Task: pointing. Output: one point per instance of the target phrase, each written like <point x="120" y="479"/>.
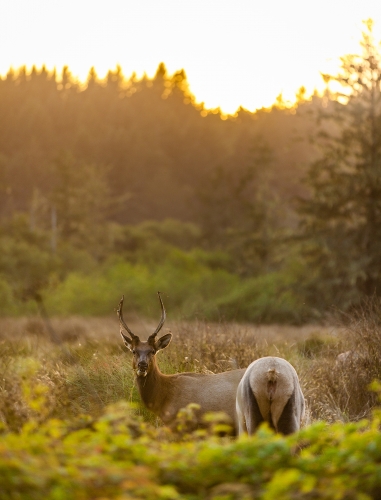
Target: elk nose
<point x="142" y="365"/>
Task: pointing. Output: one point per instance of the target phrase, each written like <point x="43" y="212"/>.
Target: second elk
<point x="270" y="392"/>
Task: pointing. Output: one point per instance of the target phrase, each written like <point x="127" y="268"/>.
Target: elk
<point x="347" y="357"/>
<point x="270" y="392"/>
<point x="165" y="394"/>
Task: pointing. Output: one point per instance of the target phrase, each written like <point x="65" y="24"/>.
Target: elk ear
<point x="163" y="342"/>
<point x="127" y="341"/>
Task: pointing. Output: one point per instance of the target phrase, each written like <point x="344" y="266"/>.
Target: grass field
<point x="89" y="368"/>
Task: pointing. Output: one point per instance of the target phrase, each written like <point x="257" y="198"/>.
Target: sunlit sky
<point x="234" y="52"/>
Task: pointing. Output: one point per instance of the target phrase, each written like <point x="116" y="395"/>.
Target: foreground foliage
<point x="116" y="456"/>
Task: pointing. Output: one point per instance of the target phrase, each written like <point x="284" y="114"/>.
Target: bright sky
<point x="234" y="52"/>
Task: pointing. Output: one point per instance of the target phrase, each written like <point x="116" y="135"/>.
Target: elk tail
<point x="272" y="375"/>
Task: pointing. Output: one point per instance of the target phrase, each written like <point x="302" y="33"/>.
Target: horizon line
<point x="134" y="77"/>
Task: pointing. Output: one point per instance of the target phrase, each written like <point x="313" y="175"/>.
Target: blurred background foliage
<point x="128" y="185"/>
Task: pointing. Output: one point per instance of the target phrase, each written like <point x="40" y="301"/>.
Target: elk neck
<point x="154" y="388"/>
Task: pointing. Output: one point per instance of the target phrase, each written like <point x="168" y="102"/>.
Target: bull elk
<point x="165" y="394"/>
<point x="270" y="392"/>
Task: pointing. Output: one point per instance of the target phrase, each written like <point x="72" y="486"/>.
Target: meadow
<point x="72" y="425"/>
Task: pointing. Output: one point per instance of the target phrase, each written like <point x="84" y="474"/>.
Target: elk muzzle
<point x="142" y="369"/>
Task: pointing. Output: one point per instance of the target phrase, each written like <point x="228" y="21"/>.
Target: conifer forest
<point x="129" y="184"/>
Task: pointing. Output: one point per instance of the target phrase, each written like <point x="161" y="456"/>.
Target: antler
<point x="123" y="324"/>
<point x="162" y="320"/>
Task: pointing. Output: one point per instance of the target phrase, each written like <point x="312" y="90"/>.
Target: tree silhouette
<point x="81" y="201"/>
<point x="342" y="219"/>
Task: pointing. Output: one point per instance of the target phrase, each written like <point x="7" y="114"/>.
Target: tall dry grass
<point x="339" y="386"/>
<point x="90" y="369"/>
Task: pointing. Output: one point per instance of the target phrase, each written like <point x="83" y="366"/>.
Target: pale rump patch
<point x="270" y="391"/>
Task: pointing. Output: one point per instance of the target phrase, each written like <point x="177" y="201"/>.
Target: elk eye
<point x="133" y="351"/>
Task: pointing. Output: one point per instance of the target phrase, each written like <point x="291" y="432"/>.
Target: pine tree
<point x="81" y="201"/>
<point x="341" y="220"/>
<point x="237" y="211"/>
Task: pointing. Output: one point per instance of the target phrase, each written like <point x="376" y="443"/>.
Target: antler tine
<point x="162" y="319"/>
<point x="123" y="324"/>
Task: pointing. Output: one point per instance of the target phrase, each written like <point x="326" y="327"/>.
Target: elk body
<point x="270" y="392"/>
<point x="165" y="394"/>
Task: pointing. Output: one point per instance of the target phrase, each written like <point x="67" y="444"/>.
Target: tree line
<point x="291" y="193"/>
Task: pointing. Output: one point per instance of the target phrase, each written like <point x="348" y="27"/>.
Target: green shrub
<point x="267" y="298"/>
<point x="188" y="283"/>
<point x="116" y="456"/>
<point x="7" y="300"/>
<point x="139" y="238"/>
<point x="137" y="261"/>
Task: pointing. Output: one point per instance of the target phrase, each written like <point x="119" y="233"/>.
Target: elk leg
<point x="253" y="416"/>
<point x="288" y="423"/>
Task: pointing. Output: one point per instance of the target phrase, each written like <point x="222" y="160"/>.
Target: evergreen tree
<point x="237" y="211"/>
<point x="342" y="218"/>
<point x="81" y="202"/>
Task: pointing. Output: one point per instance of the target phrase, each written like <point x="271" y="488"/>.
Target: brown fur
<point x="164" y="394"/>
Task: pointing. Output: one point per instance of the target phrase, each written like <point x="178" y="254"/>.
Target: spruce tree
<point x="341" y="220"/>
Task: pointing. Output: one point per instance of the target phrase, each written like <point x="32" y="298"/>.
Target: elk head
<point x="144" y="351"/>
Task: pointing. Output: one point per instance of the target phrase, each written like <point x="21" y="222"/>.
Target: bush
<point x="130" y="240"/>
<point x="196" y="283"/>
<point x="265" y="299"/>
<point x="189" y="284"/>
<point x="7" y="299"/>
<point x="116" y="456"/>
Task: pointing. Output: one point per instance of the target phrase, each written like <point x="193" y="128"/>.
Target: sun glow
<point x="235" y="54"/>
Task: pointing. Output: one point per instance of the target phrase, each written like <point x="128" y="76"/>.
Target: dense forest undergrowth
<point x="140" y="260"/>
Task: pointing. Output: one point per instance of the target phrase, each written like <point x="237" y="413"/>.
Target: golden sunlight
<point x="234" y="53"/>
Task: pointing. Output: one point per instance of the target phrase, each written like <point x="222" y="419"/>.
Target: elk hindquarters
<point x="288" y="422"/>
<point x="252" y="413"/>
<point x="271" y="389"/>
